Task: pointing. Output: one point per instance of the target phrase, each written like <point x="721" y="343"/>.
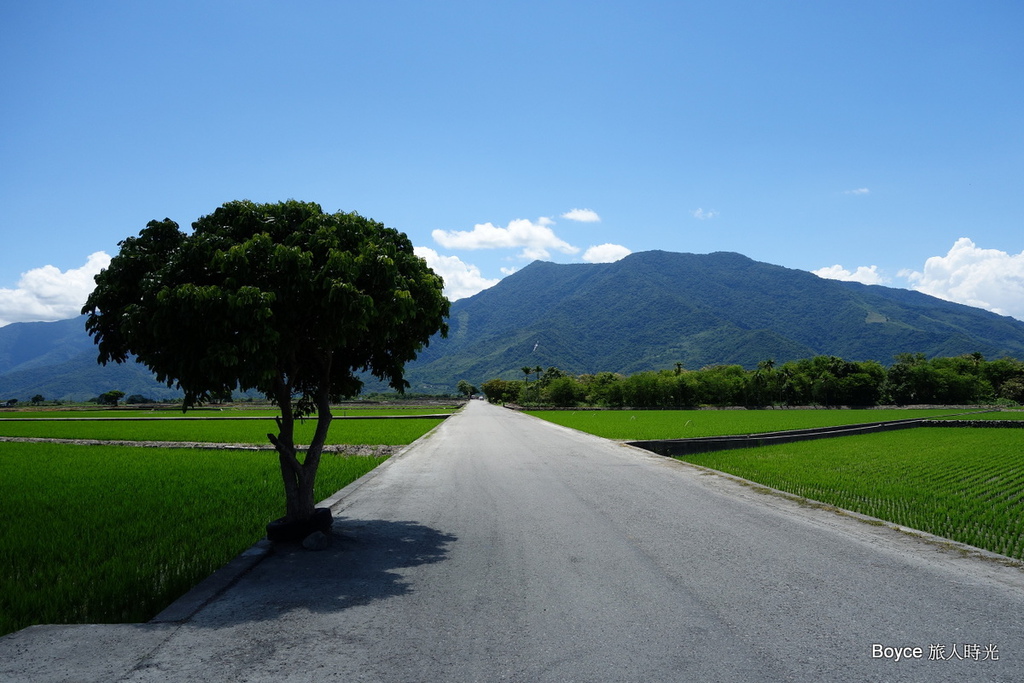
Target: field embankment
<point x="636" y="425"/>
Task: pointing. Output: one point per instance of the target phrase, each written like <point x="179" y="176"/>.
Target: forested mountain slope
<point x="57" y="360"/>
<point x="653" y="309"/>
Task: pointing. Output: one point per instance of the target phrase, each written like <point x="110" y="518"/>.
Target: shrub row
<point x="821" y="380"/>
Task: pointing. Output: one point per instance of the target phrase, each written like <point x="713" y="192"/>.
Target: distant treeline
<point x="821" y="380"/>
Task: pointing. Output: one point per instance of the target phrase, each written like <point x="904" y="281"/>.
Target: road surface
<point x="504" y="548"/>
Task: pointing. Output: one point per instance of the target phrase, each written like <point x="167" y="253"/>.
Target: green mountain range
<point x="57" y="360"/>
<point x="653" y="309"/>
<point x="647" y="311"/>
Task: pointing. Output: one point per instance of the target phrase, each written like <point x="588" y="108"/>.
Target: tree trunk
<point x="299" y="477"/>
<point x="311" y="463"/>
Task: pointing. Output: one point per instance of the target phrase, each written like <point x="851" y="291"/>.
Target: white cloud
<point x="460" y="279"/>
<point x="867" y="275"/>
<point x="859" y="190"/>
<point x="534" y="238"/>
<point x="582" y="215"/>
<point x="605" y="253"/>
<point x="985" y="278"/>
<point x="702" y="215"/>
<point x="47" y="293"/>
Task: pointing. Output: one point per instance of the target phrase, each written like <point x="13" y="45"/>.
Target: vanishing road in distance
<point x="504" y="548"/>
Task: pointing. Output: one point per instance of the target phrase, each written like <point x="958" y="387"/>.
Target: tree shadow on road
<point x="364" y="564"/>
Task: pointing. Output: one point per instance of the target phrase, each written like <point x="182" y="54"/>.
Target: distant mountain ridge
<point x="647" y="311"/>
<point x="653" y="309"/>
<point x="27" y="345"/>
<point x="57" y="360"/>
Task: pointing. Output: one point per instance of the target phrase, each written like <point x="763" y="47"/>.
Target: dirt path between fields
<point x="375" y="450"/>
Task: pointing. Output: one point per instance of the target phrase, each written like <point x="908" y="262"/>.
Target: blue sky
<point x="882" y="141"/>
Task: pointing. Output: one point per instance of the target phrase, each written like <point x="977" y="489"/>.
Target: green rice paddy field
<point x="104" y="534"/>
<point x="681" y="424"/>
<point x="247" y="431"/>
<point x="963" y="484"/>
<point x="220" y="413"/>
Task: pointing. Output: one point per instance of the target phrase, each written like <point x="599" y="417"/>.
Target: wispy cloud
<point x="985" y="278"/>
<point x="702" y="215"/>
<point x="859" y="190"/>
<point x="535" y="239"/>
<point x="582" y="215"/>
<point x="460" y="279"/>
<point x="867" y="275"/>
<point x="48" y="293"/>
<point x="605" y="253"/>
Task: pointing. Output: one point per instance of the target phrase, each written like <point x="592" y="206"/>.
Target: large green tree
<point x="111" y="398"/>
<point x="281" y="298"/>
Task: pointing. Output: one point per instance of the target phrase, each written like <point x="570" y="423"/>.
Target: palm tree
<point x="764" y="380"/>
<point x="976" y="359"/>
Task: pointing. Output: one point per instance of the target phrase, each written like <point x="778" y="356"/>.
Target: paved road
<point x="503" y="548"/>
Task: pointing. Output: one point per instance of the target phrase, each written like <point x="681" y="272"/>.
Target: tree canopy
<point x="281" y="298"/>
<point x="110" y="398"/>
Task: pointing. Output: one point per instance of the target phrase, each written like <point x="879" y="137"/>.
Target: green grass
<point x="962" y="484"/>
<point x="104" y="534"/>
<point x="387" y="432"/>
<point x="680" y="424"/>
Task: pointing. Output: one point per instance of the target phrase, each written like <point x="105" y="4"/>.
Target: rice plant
<point x="962" y="484"/>
<point x="103" y="534"/>
<point x="386" y="432"/>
